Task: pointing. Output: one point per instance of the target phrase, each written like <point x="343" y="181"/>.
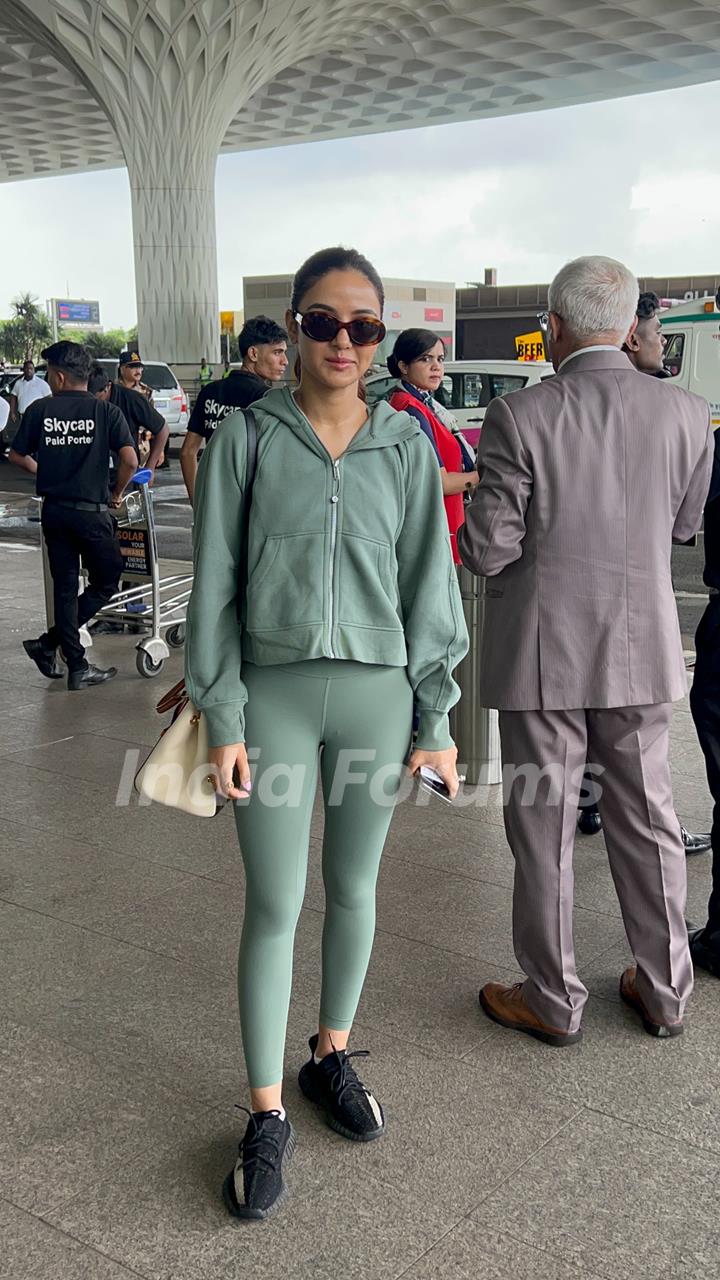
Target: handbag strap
<point x="250" y="469"/>
<point x="172" y="698"/>
<point x="178" y="694"/>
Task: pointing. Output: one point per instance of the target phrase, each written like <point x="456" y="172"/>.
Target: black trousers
<point x="71" y="536"/>
<point x="705" y="707"/>
<point x="587" y="802"/>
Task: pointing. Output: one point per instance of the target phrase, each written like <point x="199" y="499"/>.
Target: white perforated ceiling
<point x="401" y="65"/>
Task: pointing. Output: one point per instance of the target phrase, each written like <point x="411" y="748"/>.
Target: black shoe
<point x="105" y="628"/>
<point x="350" y="1108"/>
<point x="703" y="957"/>
<point x="90" y="675"/>
<point x="258" y="1175"/>
<point x="45" y="659"/>
<point x="589" y="821"/>
<point x="698" y="843"/>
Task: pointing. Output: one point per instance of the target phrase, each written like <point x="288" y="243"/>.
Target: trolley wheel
<point x="175" y="635"/>
<point x="145" y="665"/>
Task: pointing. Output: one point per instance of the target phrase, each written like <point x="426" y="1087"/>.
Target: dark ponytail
<point x="409" y="346"/>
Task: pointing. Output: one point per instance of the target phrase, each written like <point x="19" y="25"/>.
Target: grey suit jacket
<point x="585" y="481"/>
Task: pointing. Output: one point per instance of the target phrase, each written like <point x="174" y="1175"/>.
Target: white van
<point x="692" y="353"/>
<point x="469" y="386"/>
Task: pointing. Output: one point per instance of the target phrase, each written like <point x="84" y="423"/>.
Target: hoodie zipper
<point x="334" y="503"/>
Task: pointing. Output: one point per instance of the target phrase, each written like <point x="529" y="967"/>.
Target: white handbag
<point x="177" y="772"/>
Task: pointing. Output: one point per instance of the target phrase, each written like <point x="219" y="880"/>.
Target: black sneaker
<point x="350" y="1108"/>
<point x="255" y="1188"/>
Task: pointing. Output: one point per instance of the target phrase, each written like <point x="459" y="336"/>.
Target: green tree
<point x="32" y="324"/>
<point x="109" y="343"/>
<point x="12" y="346"/>
<point x="100" y="343"/>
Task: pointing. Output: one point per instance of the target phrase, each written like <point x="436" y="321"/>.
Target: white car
<point x="168" y="396"/>
<point x="468" y="387"/>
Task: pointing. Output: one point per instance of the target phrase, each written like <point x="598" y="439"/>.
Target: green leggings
<point x="355" y="722"/>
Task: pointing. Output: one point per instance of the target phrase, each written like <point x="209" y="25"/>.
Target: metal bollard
<point x="474" y="728"/>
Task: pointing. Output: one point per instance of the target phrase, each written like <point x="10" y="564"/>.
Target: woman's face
<point x="428" y="370"/>
<point x="346" y="295"/>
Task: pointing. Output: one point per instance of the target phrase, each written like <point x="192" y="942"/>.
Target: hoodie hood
<point x="385" y="426"/>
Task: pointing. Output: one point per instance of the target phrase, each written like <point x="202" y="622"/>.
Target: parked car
<point x="469" y="386"/>
<point x="8" y="378"/>
<point x="168" y="396"/>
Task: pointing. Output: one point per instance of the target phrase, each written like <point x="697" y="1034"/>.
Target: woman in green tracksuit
<point x="350" y="614"/>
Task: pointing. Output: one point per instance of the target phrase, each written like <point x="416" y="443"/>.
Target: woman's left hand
<point x="443" y="762"/>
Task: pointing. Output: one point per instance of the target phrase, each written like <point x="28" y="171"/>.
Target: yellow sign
<point x="227" y="322"/>
<point x="530" y="346"/>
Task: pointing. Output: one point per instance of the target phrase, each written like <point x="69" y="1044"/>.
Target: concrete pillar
<point x="175" y="253"/>
<point x="171" y="75"/>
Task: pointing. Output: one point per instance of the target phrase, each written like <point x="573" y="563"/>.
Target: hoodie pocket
<point x="286" y="588"/>
<point x="367" y="593"/>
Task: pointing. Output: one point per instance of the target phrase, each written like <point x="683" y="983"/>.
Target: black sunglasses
<point x="320" y="327"/>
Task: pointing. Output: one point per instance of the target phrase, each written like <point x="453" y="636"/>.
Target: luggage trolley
<point x="164" y="599"/>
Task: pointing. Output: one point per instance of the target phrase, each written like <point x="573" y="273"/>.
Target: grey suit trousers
<point x="628" y="747"/>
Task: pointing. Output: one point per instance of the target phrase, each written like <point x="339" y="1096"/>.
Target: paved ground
<point x="120" y="1062"/>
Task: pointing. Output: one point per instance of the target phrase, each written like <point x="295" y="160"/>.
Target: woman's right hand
<point x="226" y="760"/>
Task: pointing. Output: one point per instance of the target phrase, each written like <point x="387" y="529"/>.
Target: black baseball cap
<point x="131" y="358"/>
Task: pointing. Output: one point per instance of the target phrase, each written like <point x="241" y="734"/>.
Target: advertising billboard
<point x="530" y="346"/>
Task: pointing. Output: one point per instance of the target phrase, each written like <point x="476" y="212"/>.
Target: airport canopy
<point x="164" y="86"/>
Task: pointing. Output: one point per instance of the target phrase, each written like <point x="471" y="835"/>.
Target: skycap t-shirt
<point x="238" y="390"/>
<point x="72" y="435"/>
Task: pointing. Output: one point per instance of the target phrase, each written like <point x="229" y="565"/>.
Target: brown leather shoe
<point x="507" y="1006"/>
<point x="629" y="993"/>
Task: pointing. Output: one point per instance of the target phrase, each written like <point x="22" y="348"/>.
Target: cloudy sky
<point x="636" y="178"/>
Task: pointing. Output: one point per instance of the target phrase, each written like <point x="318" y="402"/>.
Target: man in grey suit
<point x="585" y="480"/>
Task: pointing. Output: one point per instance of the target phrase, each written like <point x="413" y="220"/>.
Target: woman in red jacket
<point x="418" y="360"/>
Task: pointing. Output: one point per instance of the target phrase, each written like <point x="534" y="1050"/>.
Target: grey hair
<point x="595" y="296"/>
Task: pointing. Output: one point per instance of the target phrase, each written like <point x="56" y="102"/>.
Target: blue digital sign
<point x="77" y="311"/>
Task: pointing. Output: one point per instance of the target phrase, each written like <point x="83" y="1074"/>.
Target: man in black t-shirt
<point x="263" y="347"/>
<point x="72" y="436"/>
<point x="136" y="409"/>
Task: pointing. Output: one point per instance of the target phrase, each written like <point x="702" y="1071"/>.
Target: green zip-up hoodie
<point x="345" y="560"/>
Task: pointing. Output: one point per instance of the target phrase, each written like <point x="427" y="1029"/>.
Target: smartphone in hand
<point x="431" y="781"/>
